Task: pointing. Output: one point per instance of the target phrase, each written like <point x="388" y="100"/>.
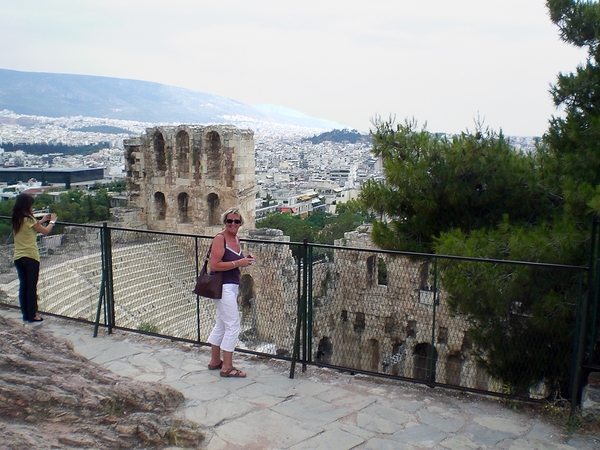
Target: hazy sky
<point x="442" y="62"/>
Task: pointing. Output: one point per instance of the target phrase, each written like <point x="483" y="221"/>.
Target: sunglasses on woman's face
<point x="236" y="221"/>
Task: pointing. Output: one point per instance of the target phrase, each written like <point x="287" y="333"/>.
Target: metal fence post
<point x="197" y="296"/>
<point x="299" y="317"/>
<point x="593" y="298"/>
<point x="432" y="350"/>
<point x="106" y="297"/>
<point x="578" y="345"/>
<point x="109" y="279"/>
<point x="304" y="303"/>
<point x="102" y="295"/>
<point x="309" y="302"/>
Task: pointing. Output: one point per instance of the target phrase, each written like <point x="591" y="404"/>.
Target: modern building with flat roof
<point x="59" y="176"/>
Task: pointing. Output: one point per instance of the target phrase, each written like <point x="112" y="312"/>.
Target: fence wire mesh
<point x="70" y="272"/>
<point x="478" y="325"/>
<point x="500" y="327"/>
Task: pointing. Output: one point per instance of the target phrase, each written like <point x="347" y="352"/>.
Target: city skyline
<point x="445" y="64"/>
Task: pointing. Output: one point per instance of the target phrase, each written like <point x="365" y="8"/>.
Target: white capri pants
<point x="227" y="327"/>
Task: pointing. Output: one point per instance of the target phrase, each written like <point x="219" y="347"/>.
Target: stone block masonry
<point x="181" y="178"/>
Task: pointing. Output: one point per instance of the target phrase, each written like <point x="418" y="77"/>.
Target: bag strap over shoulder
<point x="210" y="248"/>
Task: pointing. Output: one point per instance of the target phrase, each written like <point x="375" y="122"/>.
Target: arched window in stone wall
<point x="424" y="277"/>
<point x="159" y="153"/>
<point x="214" y="217"/>
<point x="426" y="293"/>
<point x="425" y="359"/>
<point x="182" y="207"/>
<point x="246" y="301"/>
<point x="442" y="335"/>
<point x="453" y="370"/>
<point x="160" y="206"/>
<point x="246" y="291"/>
<point x="214" y="155"/>
<point x="324" y="351"/>
<point x="411" y="328"/>
<point x="376" y="271"/>
<point x="374" y="354"/>
<point x="382" y="274"/>
<point x="359" y="321"/>
<point x="183" y="153"/>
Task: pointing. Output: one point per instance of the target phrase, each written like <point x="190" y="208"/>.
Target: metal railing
<point x="430" y="319"/>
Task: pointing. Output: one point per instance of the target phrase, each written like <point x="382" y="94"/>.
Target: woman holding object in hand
<point x="27" y="256"/>
<point x="226" y="256"/>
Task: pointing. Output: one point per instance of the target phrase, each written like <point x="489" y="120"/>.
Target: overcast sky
<point x="442" y="62"/>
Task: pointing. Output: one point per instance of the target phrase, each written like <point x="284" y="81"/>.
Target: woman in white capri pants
<point x="226" y="256"/>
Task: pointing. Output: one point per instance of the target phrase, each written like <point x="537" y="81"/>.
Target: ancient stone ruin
<point x="181" y="178"/>
<point x="371" y="310"/>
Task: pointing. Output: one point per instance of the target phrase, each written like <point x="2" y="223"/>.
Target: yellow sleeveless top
<point x="26" y="241"/>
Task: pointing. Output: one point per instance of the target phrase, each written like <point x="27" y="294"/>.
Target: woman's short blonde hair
<point x="235" y="211"/>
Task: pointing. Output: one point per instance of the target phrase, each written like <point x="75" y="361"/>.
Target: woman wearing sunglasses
<point x="226" y="256"/>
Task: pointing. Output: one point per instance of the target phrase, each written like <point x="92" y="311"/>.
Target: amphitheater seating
<point x="152" y="284"/>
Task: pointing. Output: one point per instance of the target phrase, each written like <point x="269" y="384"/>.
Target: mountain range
<point x="64" y="95"/>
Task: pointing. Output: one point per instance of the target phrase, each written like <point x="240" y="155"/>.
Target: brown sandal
<point x="233" y="373"/>
<point x="218" y="366"/>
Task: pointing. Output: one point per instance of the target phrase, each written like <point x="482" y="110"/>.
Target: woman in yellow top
<point x="27" y="256"/>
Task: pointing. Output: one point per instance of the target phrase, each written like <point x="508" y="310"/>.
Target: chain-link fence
<point x="503" y="327"/>
<point x="482" y="325"/>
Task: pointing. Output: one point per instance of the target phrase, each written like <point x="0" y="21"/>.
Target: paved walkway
<point x="319" y="409"/>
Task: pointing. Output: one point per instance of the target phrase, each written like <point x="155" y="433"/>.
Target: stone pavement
<point x="318" y="409"/>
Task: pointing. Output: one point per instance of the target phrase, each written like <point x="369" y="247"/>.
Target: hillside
<point x="345" y="135"/>
<point x="63" y="95"/>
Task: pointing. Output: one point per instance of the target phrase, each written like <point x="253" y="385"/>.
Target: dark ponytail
<point x="21" y="210"/>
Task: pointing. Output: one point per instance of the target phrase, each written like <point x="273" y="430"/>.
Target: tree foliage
<point x="522" y="316"/>
<point x="434" y="184"/>
<point x="572" y="155"/>
<point x="319" y="227"/>
<point x="73" y="206"/>
<point x="473" y="195"/>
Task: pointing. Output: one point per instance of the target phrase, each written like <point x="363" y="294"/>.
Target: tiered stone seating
<point x="11" y="290"/>
<point x="90" y="268"/>
<point x="152" y="284"/>
<point x="174" y="262"/>
<point x="63" y="290"/>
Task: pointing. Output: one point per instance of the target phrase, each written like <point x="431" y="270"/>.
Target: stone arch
<point x="423" y="363"/>
<point x="213" y="209"/>
<point x="214" y="155"/>
<point x="376" y="271"/>
<point x="160" y="206"/>
<point x="182" y="206"/>
<point x="453" y="369"/>
<point x="182" y="148"/>
<point x="324" y="351"/>
<point x="159" y="153"/>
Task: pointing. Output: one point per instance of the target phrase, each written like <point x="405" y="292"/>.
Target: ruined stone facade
<point x="360" y="321"/>
<point x="182" y="178"/>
